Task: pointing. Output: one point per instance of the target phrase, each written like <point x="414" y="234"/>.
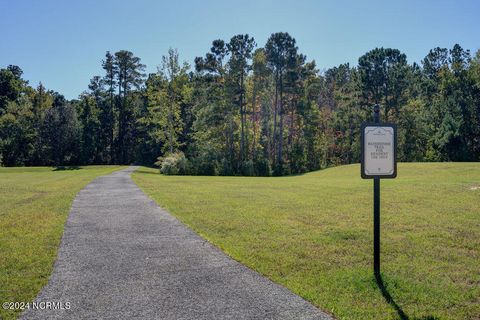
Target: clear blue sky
<point x="62" y="43"/>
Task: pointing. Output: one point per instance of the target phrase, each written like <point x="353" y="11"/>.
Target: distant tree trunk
<point x="119" y="141"/>
<point x="280" y="134"/>
<point x="242" y="120"/>
<point x="254" y="121"/>
<point x="111" y="122"/>
<point x="290" y="131"/>
<point x="170" y="120"/>
<point x="245" y="121"/>
<point x="125" y="143"/>
<point x="275" y="118"/>
<point x="231" y="142"/>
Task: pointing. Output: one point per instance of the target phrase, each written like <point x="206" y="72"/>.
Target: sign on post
<point x="378" y="161"/>
<point x="379" y="143"/>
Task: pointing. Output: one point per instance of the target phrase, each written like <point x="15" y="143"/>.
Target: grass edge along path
<point x="34" y="205"/>
<point x="313" y="234"/>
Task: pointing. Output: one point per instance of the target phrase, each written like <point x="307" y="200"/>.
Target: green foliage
<point x="412" y="133"/>
<point x="383" y="74"/>
<point x="168" y="92"/>
<point x="247" y="110"/>
<point x="11" y="85"/>
<point x="248" y="168"/>
<point x="129" y="75"/>
<point x="174" y="164"/>
<point x="60" y="133"/>
<point x="263" y="168"/>
<point x="206" y="164"/>
<point x="17" y="133"/>
<point x="90" y="131"/>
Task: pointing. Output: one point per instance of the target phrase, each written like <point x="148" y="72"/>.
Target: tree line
<point x="242" y="109"/>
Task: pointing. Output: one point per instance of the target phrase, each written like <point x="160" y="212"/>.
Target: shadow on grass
<point x="389" y="299"/>
<point x="157" y="172"/>
<point x="63" y="168"/>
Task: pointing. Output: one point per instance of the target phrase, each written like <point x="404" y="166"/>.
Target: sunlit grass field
<point x="34" y="204"/>
<point x="313" y="233"/>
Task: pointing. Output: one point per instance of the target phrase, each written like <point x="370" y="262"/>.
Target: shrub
<point x="263" y="168"/>
<point x="224" y="168"/>
<point x="205" y="164"/>
<point x="173" y="164"/>
<point x="248" y="168"/>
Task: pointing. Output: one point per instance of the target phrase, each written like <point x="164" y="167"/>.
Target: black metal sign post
<point x="376" y="209"/>
<point x="379" y="148"/>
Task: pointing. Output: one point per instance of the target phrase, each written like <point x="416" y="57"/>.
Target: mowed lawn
<point x="34" y="204"/>
<point x="313" y="234"/>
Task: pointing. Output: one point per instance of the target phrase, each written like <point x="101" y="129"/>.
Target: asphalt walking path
<point x="123" y="257"/>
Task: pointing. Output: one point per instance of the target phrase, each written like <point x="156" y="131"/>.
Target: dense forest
<point x="242" y="109"/>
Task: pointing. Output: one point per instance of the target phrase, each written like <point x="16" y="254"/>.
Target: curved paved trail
<point x="123" y="257"/>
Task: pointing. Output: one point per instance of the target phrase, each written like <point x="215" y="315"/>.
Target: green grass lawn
<point x="313" y="233"/>
<point x="34" y="204"/>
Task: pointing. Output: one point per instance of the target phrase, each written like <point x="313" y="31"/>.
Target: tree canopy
<point x="245" y="110"/>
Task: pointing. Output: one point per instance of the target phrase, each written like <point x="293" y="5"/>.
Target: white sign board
<point x="378" y="151"/>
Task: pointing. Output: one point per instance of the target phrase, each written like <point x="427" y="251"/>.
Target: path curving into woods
<point x="123" y="257"/>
